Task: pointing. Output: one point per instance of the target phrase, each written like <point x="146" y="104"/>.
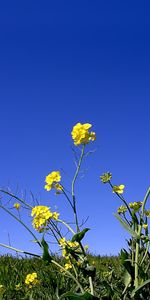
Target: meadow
<point x="13" y="271"/>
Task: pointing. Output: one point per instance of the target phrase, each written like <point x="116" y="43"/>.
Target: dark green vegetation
<point x="52" y="284"/>
<point x="109" y="281"/>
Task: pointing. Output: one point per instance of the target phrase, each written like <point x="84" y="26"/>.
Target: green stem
<point x="146" y="251"/>
<point x="73" y="186"/>
<point x="18" y="250"/>
<point x="64" y="223"/>
<point x="21" y="223"/>
<point x="144" y="201"/>
<point x="136" y="282"/>
<point x="91" y="286"/>
<point x="132" y="253"/>
<point x="67" y="198"/>
<point x="17" y="198"/>
<point x="67" y="272"/>
<point x="121" y="197"/>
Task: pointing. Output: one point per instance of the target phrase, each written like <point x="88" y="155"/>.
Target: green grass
<point x="14" y="270"/>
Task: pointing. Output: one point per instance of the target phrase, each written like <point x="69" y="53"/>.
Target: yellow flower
<point x="65" y="254"/>
<point x="145" y="226"/>
<point x="51" y="179"/>
<point x="65" y="244"/>
<point x="86" y="247"/>
<point x="68" y="266"/>
<point x="58" y="187"/>
<point x="18" y="287"/>
<point x="81" y="135"/>
<point x="62" y="242"/>
<point x="122" y="209"/>
<point x="55" y="215"/>
<point x="106" y="177"/>
<point x="31" y="280"/>
<point x="135" y="205"/>
<point x="42" y="215"/>
<point x="2" y="289"/>
<point x="73" y="244"/>
<point x="17" y="205"/>
<point x="118" y="189"/>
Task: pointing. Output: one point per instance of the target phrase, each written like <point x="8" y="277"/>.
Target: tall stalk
<point x="73" y="187"/>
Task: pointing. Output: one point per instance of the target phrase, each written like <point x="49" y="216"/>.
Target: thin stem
<point x="91" y="285"/>
<point x="68" y="199"/>
<point x="132" y="253"/>
<point x="136" y="282"/>
<point x="55" y="236"/>
<point x="73" y="187"/>
<point x="67" y="272"/>
<point x="146" y="251"/>
<point x="17" y="198"/>
<point x="18" y="250"/>
<point x="144" y="201"/>
<point x="21" y="224"/>
<point x="126" y="219"/>
<point x="64" y="223"/>
<point x="121" y="197"/>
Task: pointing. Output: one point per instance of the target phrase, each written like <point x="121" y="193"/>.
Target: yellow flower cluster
<point x="106" y="177"/>
<point x="17" y="205"/>
<point x="135" y="205"/>
<point x="122" y="209"/>
<point x="51" y="181"/>
<point x="118" y="189"/>
<point x="41" y="215"/>
<point x="31" y="280"/>
<point x="81" y="135"/>
<point x="63" y="243"/>
<point x="68" y="265"/>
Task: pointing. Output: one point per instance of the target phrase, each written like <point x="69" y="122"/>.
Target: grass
<point x="13" y="271"/>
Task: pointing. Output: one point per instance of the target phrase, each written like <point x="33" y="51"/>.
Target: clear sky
<point x="63" y="62"/>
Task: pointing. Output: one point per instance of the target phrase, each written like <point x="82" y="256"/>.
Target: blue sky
<point x="63" y="62"/>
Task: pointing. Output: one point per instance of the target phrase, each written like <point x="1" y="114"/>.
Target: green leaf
<point x="80" y="235"/>
<point x="126" y="226"/>
<point x="46" y="256"/>
<point x="139" y="287"/>
<point x="72" y="296"/>
<point x="126" y="262"/>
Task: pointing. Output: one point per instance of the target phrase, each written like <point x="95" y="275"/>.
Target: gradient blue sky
<point x="63" y="62"/>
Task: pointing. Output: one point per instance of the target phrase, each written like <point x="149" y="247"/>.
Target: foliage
<point x="13" y="270"/>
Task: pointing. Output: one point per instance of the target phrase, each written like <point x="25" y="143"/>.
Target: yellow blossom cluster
<point x="135" y="205"/>
<point x="41" y="215"/>
<point x="106" y="177"/>
<point x="118" y="189"/>
<point x="68" y="265"/>
<point x="31" y="280"/>
<point x="81" y="135"/>
<point x="64" y="244"/>
<point x="122" y="209"/>
<point x="52" y="180"/>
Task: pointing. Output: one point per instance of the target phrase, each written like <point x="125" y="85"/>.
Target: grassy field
<point x="52" y="284"/>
